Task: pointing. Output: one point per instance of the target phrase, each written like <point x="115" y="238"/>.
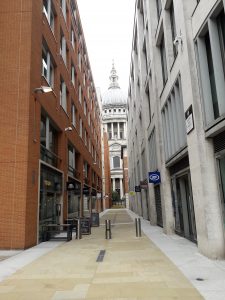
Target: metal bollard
<point x="108" y="234"/>
<point x="138" y="227"/>
<point x="79" y="234"/>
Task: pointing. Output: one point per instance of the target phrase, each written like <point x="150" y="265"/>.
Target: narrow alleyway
<point x="132" y="268"/>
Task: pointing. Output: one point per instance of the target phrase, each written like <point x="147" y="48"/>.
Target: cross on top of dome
<point x="113" y="78"/>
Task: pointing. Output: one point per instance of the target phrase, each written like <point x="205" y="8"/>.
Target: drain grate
<point x="101" y="256"/>
<point x="200" y="279"/>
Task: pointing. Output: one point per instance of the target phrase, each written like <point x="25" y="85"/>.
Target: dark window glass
<point x="43" y="131"/>
<point x="212" y="76"/>
<point x="173" y="28"/>
<point x="159" y="7"/>
<point x="116" y="162"/>
<point x="163" y="61"/>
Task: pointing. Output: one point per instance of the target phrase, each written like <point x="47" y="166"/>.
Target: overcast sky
<point x="108" y="30"/>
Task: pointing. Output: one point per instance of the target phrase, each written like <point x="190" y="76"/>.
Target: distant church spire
<point x="113" y="78"/>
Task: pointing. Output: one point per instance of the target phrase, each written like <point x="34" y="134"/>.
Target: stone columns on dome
<point x="118" y="130"/>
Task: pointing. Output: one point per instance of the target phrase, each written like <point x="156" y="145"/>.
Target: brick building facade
<point x="50" y="145"/>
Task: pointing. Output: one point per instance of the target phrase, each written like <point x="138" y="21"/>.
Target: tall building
<point x="176" y="122"/>
<point x="114" y="119"/>
<point x="50" y="144"/>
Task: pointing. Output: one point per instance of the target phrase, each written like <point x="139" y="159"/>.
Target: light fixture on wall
<point x="43" y="90"/>
<point x="178" y="41"/>
<point x="68" y="129"/>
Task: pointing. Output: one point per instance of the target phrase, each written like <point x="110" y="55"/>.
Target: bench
<point x="53" y="232"/>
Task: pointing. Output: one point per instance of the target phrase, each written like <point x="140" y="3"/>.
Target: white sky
<point x="108" y="31"/>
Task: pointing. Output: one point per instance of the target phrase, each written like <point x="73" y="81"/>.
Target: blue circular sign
<point x="154" y="177"/>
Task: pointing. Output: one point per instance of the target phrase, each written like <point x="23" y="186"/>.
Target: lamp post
<point x="40" y="90"/>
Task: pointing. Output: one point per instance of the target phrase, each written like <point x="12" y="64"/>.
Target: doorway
<point x="184" y="207"/>
<point x="221" y="163"/>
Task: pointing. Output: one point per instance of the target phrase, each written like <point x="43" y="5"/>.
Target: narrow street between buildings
<point x="131" y="268"/>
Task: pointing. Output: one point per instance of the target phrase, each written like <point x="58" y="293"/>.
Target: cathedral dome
<point x="114" y="95"/>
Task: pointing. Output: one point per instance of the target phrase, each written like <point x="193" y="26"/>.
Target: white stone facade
<point x="178" y="67"/>
<point x="114" y="119"/>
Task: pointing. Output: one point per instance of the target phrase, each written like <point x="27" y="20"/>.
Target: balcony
<point x="73" y="172"/>
<point x="49" y="157"/>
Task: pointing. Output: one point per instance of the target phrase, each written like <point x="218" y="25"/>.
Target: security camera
<point x="177" y="40"/>
<point x="68" y="129"/>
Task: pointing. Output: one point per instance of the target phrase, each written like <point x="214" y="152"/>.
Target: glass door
<point x="184" y="207"/>
<point x="222" y="183"/>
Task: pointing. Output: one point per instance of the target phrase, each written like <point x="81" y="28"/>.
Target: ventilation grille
<point x="219" y="142"/>
<point x="182" y="164"/>
<point x="158" y="206"/>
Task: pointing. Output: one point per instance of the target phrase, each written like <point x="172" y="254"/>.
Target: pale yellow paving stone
<point x="78" y="292"/>
<point x="127" y="290"/>
<point x="143" y="272"/>
<point x="6" y="289"/>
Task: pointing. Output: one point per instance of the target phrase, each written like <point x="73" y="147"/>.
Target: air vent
<point x="219" y="142"/>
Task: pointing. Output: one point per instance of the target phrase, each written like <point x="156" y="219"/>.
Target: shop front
<point x="93" y="200"/>
<point x="86" y="201"/>
<point x="50" y="196"/>
<point x="74" y="198"/>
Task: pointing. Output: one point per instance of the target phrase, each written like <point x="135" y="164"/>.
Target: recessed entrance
<point x="184" y="207"/>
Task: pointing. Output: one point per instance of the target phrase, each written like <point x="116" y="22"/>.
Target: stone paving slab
<point x="132" y="268"/>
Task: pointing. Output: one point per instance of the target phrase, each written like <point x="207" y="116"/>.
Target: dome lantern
<point x="114" y="96"/>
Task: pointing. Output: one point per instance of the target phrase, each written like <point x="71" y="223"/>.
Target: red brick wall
<point x="20" y="115"/>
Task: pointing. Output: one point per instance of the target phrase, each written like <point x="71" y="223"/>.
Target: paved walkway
<point x="132" y="269"/>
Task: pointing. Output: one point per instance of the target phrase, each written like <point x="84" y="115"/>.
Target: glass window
<point x="73" y="74"/>
<point x="81" y="128"/>
<point x="48" y="11"/>
<point x="212" y="76"/>
<point x="163" y="61"/>
<point x="43" y="131"/>
<point x="63" y="7"/>
<point x="63" y="95"/>
<point x="47" y="65"/>
<point x="52" y="139"/>
<point x="72" y="38"/>
<point x="116" y="162"/>
<point x="222" y="178"/>
<point x="173" y="28"/>
<point x="63" y="47"/>
<point x="159" y="7"/>
<point x="73" y="114"/>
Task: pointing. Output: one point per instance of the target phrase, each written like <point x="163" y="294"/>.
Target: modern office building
<point x="114" y="119"/>
<point x="50" y="143"/>
<point x="176" y="119"/>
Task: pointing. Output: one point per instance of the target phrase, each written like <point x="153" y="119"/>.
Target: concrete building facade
<point x="50" y="144"/>
<point x="176" y="118"/>
<point x="114" y="119"/>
